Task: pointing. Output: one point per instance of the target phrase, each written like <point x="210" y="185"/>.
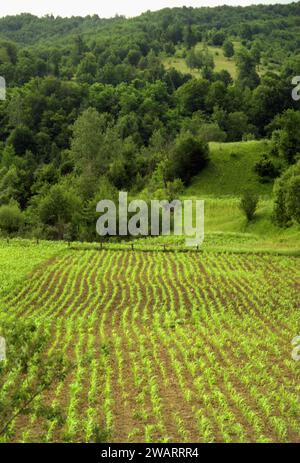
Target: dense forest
<point x="91" y="109"/>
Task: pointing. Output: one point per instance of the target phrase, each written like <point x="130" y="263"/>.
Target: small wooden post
<point x="132" y="247"/>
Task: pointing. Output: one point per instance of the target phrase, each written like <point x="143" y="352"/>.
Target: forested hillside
<point x="98" y="105"/>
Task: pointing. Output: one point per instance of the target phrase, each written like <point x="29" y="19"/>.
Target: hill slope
<point x="230" y="170"/>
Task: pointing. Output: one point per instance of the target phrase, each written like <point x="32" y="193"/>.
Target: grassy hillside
<point x="221" y="184"/>
<point x="221" y="62"/>
<point x="180" y="65"/>
<point x="230" y="170"/>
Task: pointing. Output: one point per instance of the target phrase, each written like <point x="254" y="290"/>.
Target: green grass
<point x="221" y="62"/>
<point x="20" y="257"/>
<point x="180" y="65"/>
<point x="221" y="185"/>
<point x="230" y="171"/>
<point x="227" y="230"/>
<point x="226" y="226"/>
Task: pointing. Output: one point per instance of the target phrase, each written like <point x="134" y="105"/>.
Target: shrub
<point x="189" y="157"/>
<point x="287" y="196"/>
<point x="228" y="48"/>
<point x="56" y="211"/>
<point x="218" y="38"/>
<point x="11" y="218"/>
<point x="249" y="203"/>
<point x="286" y="137"/>
<point x="266" y="168"/>
<point x="293" y="198"/>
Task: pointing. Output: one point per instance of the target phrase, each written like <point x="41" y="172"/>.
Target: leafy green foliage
<point x="287" y="142"/>
<point x="188" y="158"/>
<point x="88" y="96"/>
<point x="228" y="48"/>
<point x="287" y="196"/>
<point x="247" y="75"/>
<point x="27" y="355"/>
<point x="266" y="168"/>
<point x="11" y="218"/>
<point x="249" y="203"/>
<point x="56" y="211"/>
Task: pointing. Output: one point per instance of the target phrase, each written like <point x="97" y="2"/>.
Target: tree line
<point x="91" y="109"/>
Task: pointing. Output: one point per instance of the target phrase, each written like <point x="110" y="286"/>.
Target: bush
<point x="293" y="198"/>
<point x="56" y="211"/>
<point x="266" y="168"/>
<point x="249" y="203"/>
<point x="218" y="38"/>
<point x="287" y="196"/>
<point x="11" y="218"/>
<point x="228" y="48"/>
<point x="189" y="157"/>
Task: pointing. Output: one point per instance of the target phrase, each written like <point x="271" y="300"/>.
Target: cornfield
<point x="167" y="347"/>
